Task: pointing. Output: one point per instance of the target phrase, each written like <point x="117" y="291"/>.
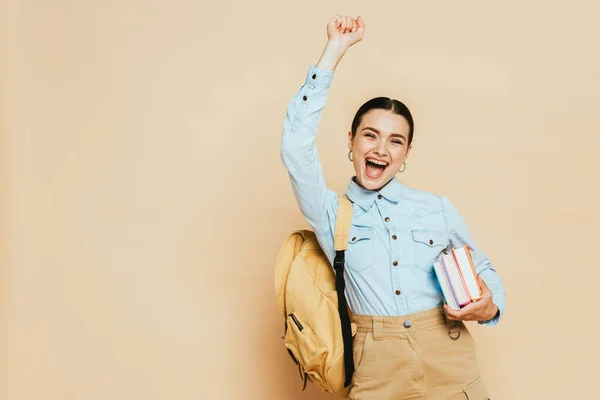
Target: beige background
<point x="144" y="200"/>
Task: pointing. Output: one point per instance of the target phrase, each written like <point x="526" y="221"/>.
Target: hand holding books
<point x="467" y="296"/>
<point x="481" y="310"/>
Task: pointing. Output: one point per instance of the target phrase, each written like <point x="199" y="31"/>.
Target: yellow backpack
<point x="318" y="331"/>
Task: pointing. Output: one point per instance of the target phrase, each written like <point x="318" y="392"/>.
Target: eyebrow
<point x="376" y="131"/>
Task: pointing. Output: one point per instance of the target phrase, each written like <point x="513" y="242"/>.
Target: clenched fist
<point x="345" y="30"/>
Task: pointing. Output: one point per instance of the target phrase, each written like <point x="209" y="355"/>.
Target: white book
<point x="467" y="269"/>
<point x="456" y="280"/>
<point x="445" y="285"/>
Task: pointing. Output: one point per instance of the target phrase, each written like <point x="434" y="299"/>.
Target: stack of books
<point x="457" y="277"/>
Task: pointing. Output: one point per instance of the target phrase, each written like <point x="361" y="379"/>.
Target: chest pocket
<point x="359" y="254"/>
<point x="428" y="245"/>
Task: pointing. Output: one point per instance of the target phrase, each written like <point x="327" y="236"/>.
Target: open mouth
<point x="374" y="168"/>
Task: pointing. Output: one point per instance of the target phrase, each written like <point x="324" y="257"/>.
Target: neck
<point x="374" y="190"/>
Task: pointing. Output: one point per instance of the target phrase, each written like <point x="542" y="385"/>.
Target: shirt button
<point x="387" y="219"/>
<point x="395" y="263"/>
<point x="430" y="241"/>
<point x="394" y="237"/>
<point x="304" y="98"/>
<point x="314" y="76"/>
<point x="398" y="292"/>
<point x="407" y="323"/>
<point x="379" y="196"/>
<point x="354" y="238"/>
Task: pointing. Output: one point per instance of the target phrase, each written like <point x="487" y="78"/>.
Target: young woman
<point x="409" y="345"/>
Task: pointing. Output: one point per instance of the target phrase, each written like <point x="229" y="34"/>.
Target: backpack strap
<point x="342" y="223"/>
<point x="342" y="229"/>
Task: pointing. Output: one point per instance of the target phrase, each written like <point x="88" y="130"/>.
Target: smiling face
<point x="379" y="147"/>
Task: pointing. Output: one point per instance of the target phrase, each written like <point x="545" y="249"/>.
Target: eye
<point x="397" y="141"/>
<point x="369" y="135"/>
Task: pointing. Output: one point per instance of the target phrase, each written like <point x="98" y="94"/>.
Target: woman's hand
<point x="482" y="310"/>
<point x="342" y="32"/>
<point x="345" y="31"/>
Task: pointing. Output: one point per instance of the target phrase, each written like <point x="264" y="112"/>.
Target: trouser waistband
<point x="381" y="325"/>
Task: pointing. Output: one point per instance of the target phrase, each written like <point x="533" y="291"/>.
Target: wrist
<point x="336" y="45"/>
<point x="494" y="311"/>
<point x="332" y="54"/>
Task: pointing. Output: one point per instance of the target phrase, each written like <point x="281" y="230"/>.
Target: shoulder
<point x="422" y="202"/>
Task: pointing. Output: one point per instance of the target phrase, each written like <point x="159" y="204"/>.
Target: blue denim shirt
<point x="397" y="232"/>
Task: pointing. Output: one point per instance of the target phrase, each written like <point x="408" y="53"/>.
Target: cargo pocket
<point x="360" y="248"/>
<point x="306" y="347"/>
<point x="476" y="391"/>
<point x="428" y="245"/>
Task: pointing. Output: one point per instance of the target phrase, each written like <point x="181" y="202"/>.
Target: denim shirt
<point x="396" y="233"/>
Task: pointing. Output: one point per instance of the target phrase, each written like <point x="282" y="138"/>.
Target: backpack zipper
<point x="296" y="321"/>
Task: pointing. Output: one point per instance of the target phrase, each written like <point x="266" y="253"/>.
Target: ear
<point x="350" y="140"/>
<point x="408" y="151"/>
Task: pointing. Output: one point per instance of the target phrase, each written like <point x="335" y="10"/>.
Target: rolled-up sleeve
<point x="459" y="234"/>
<point x="298" y="150"/>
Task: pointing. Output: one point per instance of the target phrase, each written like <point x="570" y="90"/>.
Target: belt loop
<point x="378" y="327"/>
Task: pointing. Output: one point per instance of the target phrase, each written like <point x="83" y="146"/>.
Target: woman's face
<point x="379" y="147"/>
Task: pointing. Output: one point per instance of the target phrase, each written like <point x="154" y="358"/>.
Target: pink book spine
<point x="462" y="279"/>
<point x="455" y="286"/>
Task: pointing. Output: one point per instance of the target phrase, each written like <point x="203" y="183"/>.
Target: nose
<point x="380" y="149"/>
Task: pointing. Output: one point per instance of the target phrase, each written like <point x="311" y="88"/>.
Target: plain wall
<point x="144" y="200"/>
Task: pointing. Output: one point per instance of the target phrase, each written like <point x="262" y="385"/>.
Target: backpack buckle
<point x="338" y="261"/>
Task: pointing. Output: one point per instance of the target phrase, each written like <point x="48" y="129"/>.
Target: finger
<point x="354" y="25"/>
<point x="348" y="24"/>
<point x="452" y="314"/>
<point x="465" y="315"/>
<point x="449" y="314"/>
<point x="338" y="21"/>
<point x="361" y="25"/>
<point x="467" y="310"/>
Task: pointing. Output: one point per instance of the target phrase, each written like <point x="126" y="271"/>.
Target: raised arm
<point x="298" y="151"/>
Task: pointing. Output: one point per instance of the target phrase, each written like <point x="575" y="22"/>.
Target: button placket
<point x="395" y="273"/>
<point x="393" y="254"/>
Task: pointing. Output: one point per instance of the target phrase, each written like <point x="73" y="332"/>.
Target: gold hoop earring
<point x="350" y="155"/>
<point x="401" y="169"/>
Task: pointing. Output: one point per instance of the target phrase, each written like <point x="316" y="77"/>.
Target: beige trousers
<point x="416" y="356"/>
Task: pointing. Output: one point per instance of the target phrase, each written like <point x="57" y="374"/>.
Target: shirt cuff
<point x="319" y="77"/>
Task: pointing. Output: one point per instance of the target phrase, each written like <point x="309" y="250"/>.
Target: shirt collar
<point x="392" y="191"/>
